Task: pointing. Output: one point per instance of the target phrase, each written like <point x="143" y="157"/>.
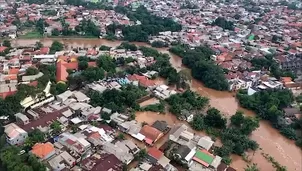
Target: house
<point x="21" y="118"/>
<point x="43" y="150"/>
<point x="62" y="161"/>
<point x="155" y="156"/>
<point x="161" y="126"/>
<point x="292" y="113"/>
<point x="184" y="153"/>
<point x="62" y="67"/>
<point x="205" y="143"/>
<point x="75" y="143"/>
<point x="207" y="159"/>
<point x="181" y="135"/>
<point x="123" y="150"/>
<point x="186" y="115"/>
<point x="14" y="134"/>
<point x="151" y="134"/>
<point x="101" y="162"/>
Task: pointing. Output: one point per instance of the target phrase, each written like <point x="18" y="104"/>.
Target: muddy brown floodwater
<point x="270" y="140"/>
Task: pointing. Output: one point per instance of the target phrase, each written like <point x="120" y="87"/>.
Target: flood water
<point x="270" y="140"/>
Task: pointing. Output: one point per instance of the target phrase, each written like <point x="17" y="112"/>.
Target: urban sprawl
<point x="75" y="108"/>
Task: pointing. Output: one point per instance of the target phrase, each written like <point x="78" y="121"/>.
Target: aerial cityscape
<point x="138" y="85"/>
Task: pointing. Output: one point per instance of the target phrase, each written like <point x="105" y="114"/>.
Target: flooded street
<point x="270" y="140"/>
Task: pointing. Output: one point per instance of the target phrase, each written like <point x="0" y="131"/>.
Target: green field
<point x="31" y="35"/>
<point x="204" y="157"/>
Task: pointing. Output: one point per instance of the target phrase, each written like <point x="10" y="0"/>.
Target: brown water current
<point x="270" y="140"/>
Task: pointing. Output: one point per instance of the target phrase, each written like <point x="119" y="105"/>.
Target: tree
<point x="93" y="74"/>
<point x="38" y="45"/>
<point x="106" y="62"/>
<point x="159" y="44"/>
<point x="237" y="119"/>
<point x="197" y="123"/>
<point x="6" y="43"/>
<point x="56" y="127"/>
<point x="249" y="125"/>
<point x="121" y="136"/>
<point x="55" y="32"/>
<point x="56" y="46"/>
<point x="104" y="48"/>
<point x="61" y="87"/>
<point x="252" y="167"/>
<point x="141" y="155"/>
<point x="83" y="65"/>
<point x="31" y="71"/>
<point x="223" y="23"/>
<point x="105" y="116"/>
<point x="214" y="119"/>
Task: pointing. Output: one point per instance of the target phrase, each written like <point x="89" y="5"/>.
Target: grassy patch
<point x="31" y="35"/>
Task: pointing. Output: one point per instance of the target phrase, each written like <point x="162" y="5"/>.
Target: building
<point x="101" y="162"/>
<point x="62" y="161"/>
<point x="14" y="134"/>
<point x="43" y="150"/>
<point x="21" y="118"/>
<point x="151" y="134"/>
<point x="123" y="150"/>
<point x="75" y="143"/>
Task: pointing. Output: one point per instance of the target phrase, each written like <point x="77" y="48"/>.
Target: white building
<point x="14" y="134"/>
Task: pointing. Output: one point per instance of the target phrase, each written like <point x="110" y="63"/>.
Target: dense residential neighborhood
<point x="129" y="107"/>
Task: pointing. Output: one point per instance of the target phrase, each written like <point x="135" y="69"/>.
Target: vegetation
<point x="252" y="167"/>
<point x="12" y="160"/>
<point x="162" y="65"/>
<point x="269" y="63"/>
<point x="32" y="35"/>
<point x="104" y="48"/>
<point x="159" y="107"/>
<point x="159" y="44"/>
<point x="118" y="100"/>
<point x="186" y="101"/>
<point x="141" y="155"/>
<point x="107" y="63"/>
<point x="197" y="123"/>
<point x="31" y="71"/>
<point x="56" y="46"/>
<point x="34" y="137"/>
<point x="214" y="119"/>
<point x="223" y="23"/>
<point x="6" y="43"/>
<point x="268" y="105"/>
<point x="56" y="127"/>
<point x="58" y="88"/>
<point x="203" y="68"/>
<point x="127" y="46"/>
<point x="150" y="24"/>
<point x="88" y="28"/>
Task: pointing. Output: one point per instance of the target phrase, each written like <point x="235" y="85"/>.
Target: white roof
<point x="205" y="142"/>
<point x="76" y="120"/>
<point x="43" y="56"/>
<point x="84" y="142"/>
<point x="67" y="113"/>
<point x="216" y="162"/>
<point x="138" y="136"/>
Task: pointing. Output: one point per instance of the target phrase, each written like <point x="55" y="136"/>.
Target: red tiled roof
<point x="143" y="81"/>
<point x="42" y="150"/>
<point x="5" y="94"/>
<point x="2" y="48"/>
<point x="61" y="71"/>
<point x="155" y="153"/>
<point x="44" y="50"/>
<point x="151" y="133"/>
<point x="13" y="71"/>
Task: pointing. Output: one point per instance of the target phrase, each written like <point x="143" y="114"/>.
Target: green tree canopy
<point x="215" y="119"/>
<point x="106" y="62"/>
<point x="56" y="46"/>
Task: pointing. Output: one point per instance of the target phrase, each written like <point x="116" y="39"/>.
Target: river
<point x="270" y="140"/>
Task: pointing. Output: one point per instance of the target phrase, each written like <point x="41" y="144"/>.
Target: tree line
<point x="149" y="24"/>
<point x="269" y="105"/>
<point x="203" y="68"/>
